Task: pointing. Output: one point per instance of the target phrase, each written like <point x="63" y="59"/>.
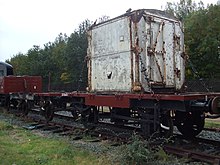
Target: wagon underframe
<point x="151" y="112"/>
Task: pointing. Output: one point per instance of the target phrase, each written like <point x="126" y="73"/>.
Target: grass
<point x="21" y="147"/>
<point x="212" y="124"/>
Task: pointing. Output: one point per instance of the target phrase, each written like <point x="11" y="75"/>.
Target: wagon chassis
<point x="152" y="113"/>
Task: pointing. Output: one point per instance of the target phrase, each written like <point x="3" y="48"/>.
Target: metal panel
<point x="110" y="57"/>
<point x="164" y="63"/>
<point x="168" y="32"/>
<point x="21" y="84"/>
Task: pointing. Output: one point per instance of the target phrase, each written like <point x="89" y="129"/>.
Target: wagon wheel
<point x="49" y="112"/>
<point x="24" y="108"/>
<point x="75" y="111"/>
<point x="166" y="125"/>
<point x="12" y="104"/>
<point x="190" y="124"/>
<point x="89" y="115"/>
<point x="75" y="114"/>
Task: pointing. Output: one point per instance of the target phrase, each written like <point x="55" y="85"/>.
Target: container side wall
<point x="179" y="71"/>
<point x="111" y="57"/>
<point x="165" y="66"/>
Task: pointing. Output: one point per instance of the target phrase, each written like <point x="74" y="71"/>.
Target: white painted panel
<point x="111" y="73"/>
<point x="111" y="62"/>
<point x="169" y="54"/>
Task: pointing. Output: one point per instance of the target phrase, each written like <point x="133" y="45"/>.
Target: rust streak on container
<point x="137" y="78"/>
<point x="131" y="53"/>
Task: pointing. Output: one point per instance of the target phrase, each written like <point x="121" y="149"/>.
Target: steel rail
<point x="192" y="154"/>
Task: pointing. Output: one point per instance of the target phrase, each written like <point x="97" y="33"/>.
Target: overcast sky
<point x="24" y="23"/>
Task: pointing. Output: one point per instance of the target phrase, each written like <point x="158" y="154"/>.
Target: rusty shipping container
<point x="139" y="51"/>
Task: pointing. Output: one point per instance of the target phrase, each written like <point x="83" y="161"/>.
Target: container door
<point x="161" y="52"/>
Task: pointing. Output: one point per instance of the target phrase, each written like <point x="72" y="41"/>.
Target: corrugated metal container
<point x="140" y="51"/>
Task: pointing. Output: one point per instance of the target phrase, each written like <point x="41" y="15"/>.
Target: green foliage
<point x="212" y="123"/>
<point x="202" y="39"/>
<point x="136" y="152"/>
<point x="140" y="151"/>
<point x="19" y="62"/>
<point x="75" y="53"/>
<point x="202" y="36"/>
<point x="162" y="155"/>
<point x="65" y="77"/>
<point x="18" y="146"/>
<point x="5" y="126"/>
<point x="183" y="8"/>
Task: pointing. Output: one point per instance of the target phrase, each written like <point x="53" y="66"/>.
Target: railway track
<point x="189" y="154"/>
<point x="106" y="132"/>
<point x="198" y="140"/>
<point x="212" y="129"/>
<point x="199" y="148"/>
<point x="54" y="127"/>
<point x="121" y="134"/>
<point x="65" y="125"/>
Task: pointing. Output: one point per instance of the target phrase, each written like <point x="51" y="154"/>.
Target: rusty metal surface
<point x="117" y="46"/>
<point x="193" y="155"/>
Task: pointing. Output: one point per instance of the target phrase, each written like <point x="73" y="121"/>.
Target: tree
<point x="183" y="8"/>
<point x="19" y="62"/>
<point x="75" y="53"/>
<point x="202" y="39"/>
<point x="202" y="30"/>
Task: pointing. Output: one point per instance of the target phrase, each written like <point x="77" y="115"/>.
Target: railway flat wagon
<point x="136" y="76"/>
